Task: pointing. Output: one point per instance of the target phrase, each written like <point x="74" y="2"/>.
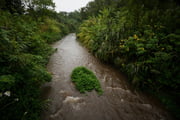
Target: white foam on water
<point x="75" y="102"/>
<point x="147" y="106"/>
<point x="62" y="92"/>
<point x="71" y="99"/>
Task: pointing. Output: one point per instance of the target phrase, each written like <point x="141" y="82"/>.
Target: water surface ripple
<point x="118" y="102"/>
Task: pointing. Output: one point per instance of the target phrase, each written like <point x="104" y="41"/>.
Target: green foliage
<point x="94" y="7"/>
<point x="50" y="30"/>
<point x="26" y="29"/>
<point x="24" y="53"/>
<point x="142" y="39"/>
<point x="13" y="6"/>
<point x="85" y="80"/>
<point x="6" y="82"/>
<point x="71" y="20"/>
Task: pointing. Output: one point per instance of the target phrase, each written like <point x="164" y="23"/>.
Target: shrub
<point x="24" y="53"/>
<point x="142" y="43"/>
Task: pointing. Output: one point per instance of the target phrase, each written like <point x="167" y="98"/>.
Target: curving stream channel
<point x="118" y="102"/>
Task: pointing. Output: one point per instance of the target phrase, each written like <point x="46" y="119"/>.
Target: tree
<point x="13" y="6"/>
<point x="39" y="8"/>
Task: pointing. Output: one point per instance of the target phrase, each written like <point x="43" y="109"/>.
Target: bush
<point x="85" y="80"/>
<point x="142" y="43"/>
<point x="24" y="53"/>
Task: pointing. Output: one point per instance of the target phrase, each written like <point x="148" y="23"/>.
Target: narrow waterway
<point x="118" y="102"/>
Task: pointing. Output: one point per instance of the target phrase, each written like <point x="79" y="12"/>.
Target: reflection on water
<point x="116" y="103"/>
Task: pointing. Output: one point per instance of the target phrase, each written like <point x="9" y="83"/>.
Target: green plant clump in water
<point x="85" y="80"/>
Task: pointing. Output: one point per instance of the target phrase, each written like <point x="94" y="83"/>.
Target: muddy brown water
<point x="118" y="102"/>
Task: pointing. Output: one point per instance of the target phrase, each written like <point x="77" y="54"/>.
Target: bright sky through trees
<point x="70" y="5"/>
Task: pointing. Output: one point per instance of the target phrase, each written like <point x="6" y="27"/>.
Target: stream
<point x="118" y="101"/>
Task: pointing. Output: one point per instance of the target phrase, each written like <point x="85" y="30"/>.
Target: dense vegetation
<point x="26" y="28"/>
<point x="141" y="38"/>
<point x="85" y="80"/>
<point x="71" y="20"/>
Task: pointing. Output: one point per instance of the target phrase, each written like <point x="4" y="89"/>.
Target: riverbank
<point x="117" y="102"/>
